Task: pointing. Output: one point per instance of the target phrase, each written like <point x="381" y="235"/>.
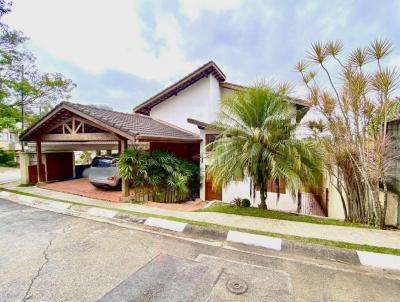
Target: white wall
<point x="335" y="206"/>
<point x="214" y="100"/>
<point x="286" y="202"/>
<point x="199" y="101"/>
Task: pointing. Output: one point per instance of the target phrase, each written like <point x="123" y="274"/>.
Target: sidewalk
<point x="382" y="238"/>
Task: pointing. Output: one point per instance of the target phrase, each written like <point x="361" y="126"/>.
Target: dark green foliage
<point x="245" y="203"/>
<point x="7" y="159"/>
<point x="174" y="178"/>
<point x="132" y="166"/>
<point x="159" y="175"/>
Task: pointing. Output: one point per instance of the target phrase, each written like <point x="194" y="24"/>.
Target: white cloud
<point x="97" y="35"/>
<point x="194" y="8"/>
<point x="117" y="93"/>
<point x="395" y="62"/>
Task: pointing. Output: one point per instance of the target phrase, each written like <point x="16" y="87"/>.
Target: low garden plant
<point x="245" y="203"/>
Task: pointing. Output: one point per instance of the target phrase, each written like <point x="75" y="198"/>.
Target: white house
<point x="193" y="102"/>
<point x="175" y="119"/>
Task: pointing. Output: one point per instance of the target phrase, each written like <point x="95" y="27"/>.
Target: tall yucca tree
<point x="355" y="97"/>
<point x="257" y="140"/>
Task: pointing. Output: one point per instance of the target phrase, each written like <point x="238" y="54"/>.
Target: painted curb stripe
<point x="5" y="193"/>
<point x="25" y="198"/>
<point x="165" y="224"/>
<point x="102" y="212"/>
<point x="60" y="205"/>
<point x="379" y="260"/>
<point x="257" y="240"/>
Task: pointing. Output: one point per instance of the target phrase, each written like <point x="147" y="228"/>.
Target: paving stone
<point x="167" y="278"/>
<point x="262" y="283"/>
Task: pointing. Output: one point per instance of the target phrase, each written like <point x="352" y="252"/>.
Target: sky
<point x="121" y="52"/>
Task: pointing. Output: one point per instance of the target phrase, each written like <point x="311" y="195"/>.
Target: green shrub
<point x="165" y="177"/>
<point x="245" y="203"/>
<point x="7" y="159"/>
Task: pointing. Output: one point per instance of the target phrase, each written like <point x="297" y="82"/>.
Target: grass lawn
<point x="330" y="243"/>
<point x="256" y="212"/>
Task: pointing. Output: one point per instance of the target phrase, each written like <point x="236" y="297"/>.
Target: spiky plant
<point x="356" y="105"/>
<point x="257" y="140"/>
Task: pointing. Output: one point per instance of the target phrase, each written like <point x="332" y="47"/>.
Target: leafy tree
<point x="9" y="116"/>
<point x="22" y="86"/>
<point x="257" y="140"/>
<point x="356" y="106"/>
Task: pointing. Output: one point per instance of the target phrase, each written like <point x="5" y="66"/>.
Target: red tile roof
<point x="129" y="125"/>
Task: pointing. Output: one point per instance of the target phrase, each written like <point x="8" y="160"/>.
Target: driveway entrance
<point x="83" y="187"/>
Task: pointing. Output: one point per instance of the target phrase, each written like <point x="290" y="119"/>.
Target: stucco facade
<point x="197" y="97"/>
<point x="201" y="101"/>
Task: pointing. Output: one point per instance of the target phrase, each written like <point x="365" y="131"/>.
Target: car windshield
<point x="103" y="162"/>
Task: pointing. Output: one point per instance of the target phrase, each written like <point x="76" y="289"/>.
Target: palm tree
<point x="257" y="140"/>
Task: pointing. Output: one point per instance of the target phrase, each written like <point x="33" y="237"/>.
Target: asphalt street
<point x="45" y="256"/>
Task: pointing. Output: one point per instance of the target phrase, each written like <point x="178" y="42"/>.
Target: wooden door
<point x="59" y="166"/>
<point x="32" y="172"/>
<point x="211" y="193"/>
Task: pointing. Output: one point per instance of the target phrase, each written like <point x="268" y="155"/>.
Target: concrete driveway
<point x="83" y="187"/>
<point x="45" y="256"/>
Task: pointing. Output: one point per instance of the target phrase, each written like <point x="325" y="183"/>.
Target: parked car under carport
<point x="104" y="173"/>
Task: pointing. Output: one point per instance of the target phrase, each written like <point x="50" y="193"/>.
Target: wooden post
<point x="125" y="183"/>
<point x="119" y="147"/>
<point x="39" y="161"/>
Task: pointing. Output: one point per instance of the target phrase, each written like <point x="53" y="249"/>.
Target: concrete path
<point x="47" y="256"/>
<point x="386" y="238"/>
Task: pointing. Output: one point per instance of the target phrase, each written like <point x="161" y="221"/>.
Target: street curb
<point x="379" y="260"/>
<point x="320" y="251"/>
<point x="208" y="233"/>
<point x="354" y="257"/>
<point x="272" y="243"/>
<point x="101" y="212"/>
<point x="165" y="224"/>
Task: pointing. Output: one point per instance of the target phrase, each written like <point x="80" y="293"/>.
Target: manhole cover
<point x="236" y="286"/>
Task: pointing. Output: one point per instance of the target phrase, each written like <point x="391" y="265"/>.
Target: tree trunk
<point x="125" y="188"/>
<point x="299" y="196"/>
<point x="263" y="197"/>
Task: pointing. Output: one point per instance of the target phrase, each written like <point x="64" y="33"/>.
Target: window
<point x="277" y="184"/>
<point x="103" y="162"/>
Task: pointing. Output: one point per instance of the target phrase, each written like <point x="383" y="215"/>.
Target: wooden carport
<point x="71" y="122"/>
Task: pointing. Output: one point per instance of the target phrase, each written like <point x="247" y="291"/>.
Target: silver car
<point x="103" y="172"/>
